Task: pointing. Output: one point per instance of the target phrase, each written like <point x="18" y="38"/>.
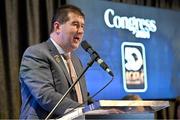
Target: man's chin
<point x="74" y="47"/>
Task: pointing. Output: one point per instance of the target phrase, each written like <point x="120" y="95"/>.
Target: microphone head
<point x="85" y="45"/>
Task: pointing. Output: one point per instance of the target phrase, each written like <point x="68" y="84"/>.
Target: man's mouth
<point x="76" y="39"/>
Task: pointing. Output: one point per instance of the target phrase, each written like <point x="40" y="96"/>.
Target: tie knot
<point x="67" y="56"/>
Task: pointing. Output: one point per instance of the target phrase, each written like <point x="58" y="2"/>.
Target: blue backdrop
<point x="162" y="48"/>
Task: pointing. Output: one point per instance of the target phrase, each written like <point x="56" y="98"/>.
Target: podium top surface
<point x="153" y="105"/>
<point x="117" y="103"/>
<point x="104" y="107"/>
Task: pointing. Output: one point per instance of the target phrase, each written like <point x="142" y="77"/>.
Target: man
<point x="44" y="72"/>
<point x="133" y="109"/>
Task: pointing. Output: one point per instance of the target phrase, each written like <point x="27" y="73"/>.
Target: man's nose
<point x="80" y="30"/>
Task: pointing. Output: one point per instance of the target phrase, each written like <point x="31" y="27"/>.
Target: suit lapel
<point x="76" y="65"/>
<point x="57" y="57"/>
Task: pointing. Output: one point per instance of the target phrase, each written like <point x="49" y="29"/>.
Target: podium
<point x="118" y="109"/>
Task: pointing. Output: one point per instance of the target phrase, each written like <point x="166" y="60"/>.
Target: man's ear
<point x="57" y="26"/>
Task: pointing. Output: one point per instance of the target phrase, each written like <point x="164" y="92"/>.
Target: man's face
<point x="72" y="32"/>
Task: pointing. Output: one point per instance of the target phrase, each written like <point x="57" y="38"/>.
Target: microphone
<point x="89" y="49"/>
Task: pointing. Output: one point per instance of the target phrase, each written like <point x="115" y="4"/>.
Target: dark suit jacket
<point x="44" y="79"/>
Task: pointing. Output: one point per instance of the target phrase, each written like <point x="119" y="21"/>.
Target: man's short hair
<point x="61" y="14"/>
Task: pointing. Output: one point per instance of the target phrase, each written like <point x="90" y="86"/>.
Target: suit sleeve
<point x="35" y="73"/>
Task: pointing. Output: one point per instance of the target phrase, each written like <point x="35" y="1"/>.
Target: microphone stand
<point x="89" y="64"/>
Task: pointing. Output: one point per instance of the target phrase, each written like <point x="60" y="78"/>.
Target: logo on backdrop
<point x="134" y="67"/>
<point x="139" y="27"/>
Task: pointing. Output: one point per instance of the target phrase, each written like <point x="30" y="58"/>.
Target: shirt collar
<point x="59" y="48"/>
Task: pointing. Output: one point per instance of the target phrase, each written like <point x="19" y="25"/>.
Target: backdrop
<point x="27" y="22"/>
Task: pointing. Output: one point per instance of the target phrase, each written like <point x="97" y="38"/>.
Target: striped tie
<point x="73" y="76"/>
